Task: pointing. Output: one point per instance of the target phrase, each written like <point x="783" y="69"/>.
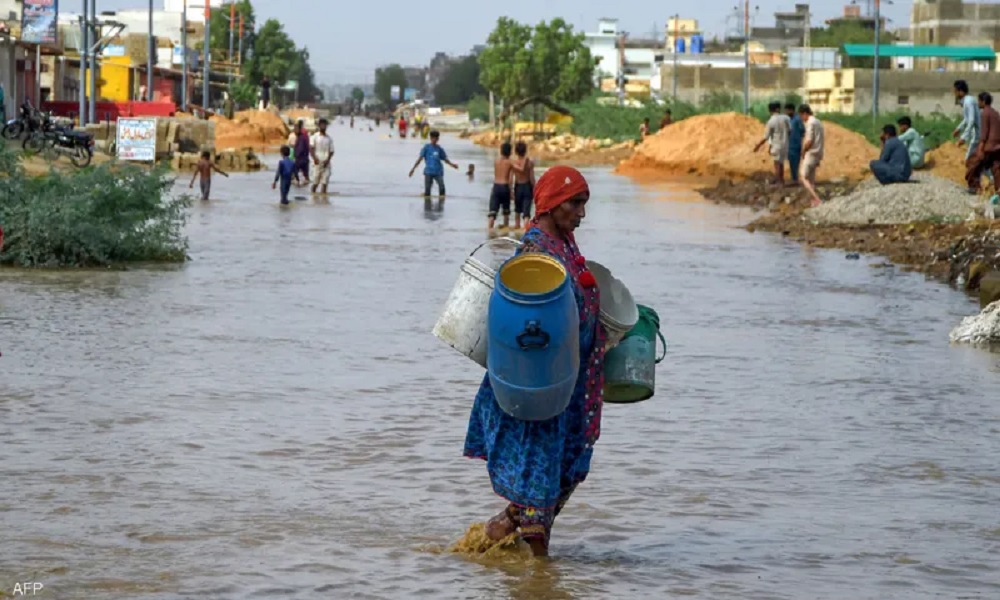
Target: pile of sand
<point x="948" y="161"/>
<point x="250" y="129"/>
<point x="925" y="198"/>
<point x="722" y="146"/>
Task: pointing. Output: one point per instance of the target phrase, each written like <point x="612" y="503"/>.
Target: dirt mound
<point x="722" y="146"/>
<point x="948" y="161"/>
<point x="250" y="129"/>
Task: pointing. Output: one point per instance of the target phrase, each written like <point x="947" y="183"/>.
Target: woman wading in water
<point x="536" y="465"/>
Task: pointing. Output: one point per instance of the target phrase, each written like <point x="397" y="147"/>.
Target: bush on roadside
<point x="99" y="216"/>
<point x="593" y="119"/>
<point x="935" y="127"/>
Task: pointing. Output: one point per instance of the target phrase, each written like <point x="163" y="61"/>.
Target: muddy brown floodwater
<point x="275" y="419"/>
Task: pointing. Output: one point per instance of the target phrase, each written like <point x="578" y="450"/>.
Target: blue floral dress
<point x="536" y="465"/>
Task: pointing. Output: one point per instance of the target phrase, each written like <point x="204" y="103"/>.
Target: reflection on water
<point x="275" y="420"/>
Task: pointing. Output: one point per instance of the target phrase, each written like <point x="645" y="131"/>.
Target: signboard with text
<point x="136" y="139"/>
<point x="39" y="21"/>
<point x="395" y="92"/>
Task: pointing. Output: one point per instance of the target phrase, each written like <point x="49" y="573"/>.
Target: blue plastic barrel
<point x="697" y="44"/>
<point x="533" y="325"/>
<point x="680" y="45"/>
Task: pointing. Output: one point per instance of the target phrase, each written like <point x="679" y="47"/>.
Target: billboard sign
<point x="136" y="139"/>
<point x="39" y="21"/>
<point x="113" y="50"/>
<point x="410" y="94"/>
<point x="395" y="92"/>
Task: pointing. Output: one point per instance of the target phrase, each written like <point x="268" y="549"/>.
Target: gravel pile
<point x="981" y="329"/>
<point x="925" y="198"/>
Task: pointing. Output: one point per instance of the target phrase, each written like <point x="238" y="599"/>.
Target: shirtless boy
<point x="524" y="183"/>
<point x="204" y="168"/>
<point x="503" y="171"/>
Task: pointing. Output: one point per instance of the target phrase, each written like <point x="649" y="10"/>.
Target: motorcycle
<point x="56" y="142"/>
<point x="13" y="128"/>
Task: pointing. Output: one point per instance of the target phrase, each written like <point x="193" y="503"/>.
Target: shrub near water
<point x="100" y="216"/>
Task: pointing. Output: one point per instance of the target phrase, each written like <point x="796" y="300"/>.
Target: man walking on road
<point x="321" y="146"/>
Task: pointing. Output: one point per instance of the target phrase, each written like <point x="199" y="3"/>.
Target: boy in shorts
<point x="204" y="168"/>
<point x="524" y="184"/>
<point x="503" y="171"/>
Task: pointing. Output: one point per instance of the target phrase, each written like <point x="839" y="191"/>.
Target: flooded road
<point x="275" y="420"/>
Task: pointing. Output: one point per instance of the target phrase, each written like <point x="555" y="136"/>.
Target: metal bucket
<point x="619" y="313"/>
<point x="462" y="324"/>
<point x="630" y="367"/>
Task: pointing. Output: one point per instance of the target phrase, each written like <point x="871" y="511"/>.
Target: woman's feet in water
<point x="500" y="526"/>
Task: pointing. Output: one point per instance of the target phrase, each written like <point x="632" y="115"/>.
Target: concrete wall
<point x="695" y="82"/>
<point x="851" y="90"/>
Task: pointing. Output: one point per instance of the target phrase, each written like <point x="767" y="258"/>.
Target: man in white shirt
<point x="321" y="145"/>
<point x="813" y="145"/>
<point x="776" y="135"/>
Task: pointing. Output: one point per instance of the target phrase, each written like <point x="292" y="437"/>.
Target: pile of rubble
<point x="227" y="160"/>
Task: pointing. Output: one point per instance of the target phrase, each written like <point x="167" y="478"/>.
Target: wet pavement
<point x="275" y="420"/>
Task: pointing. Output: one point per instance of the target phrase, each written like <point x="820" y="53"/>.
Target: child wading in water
<point x="286" y="170"/>
<point x="524" y="184"/>
<point x="204" y="168"/>
<point x="503" y="171"/>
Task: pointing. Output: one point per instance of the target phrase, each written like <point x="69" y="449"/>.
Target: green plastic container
<point x="630" y="367"/>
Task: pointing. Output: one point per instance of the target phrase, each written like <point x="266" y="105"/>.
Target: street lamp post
<point x="93" y="41"/>
<point x="84" y="45"/>
<point x="677" y="18"/>
<point x="184" y="56"/>
<point x="746" y="57"/>
<point x="206" y="53"/>
<point x="875" y="81"/>
<point x="232" y="25"/>
<point x="152" y="55"/>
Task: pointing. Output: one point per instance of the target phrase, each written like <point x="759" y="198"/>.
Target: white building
<point x="195" y="8"/>
<point x="640" y="56"/>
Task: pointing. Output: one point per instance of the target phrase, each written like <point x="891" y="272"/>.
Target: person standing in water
<point x="524" y="184"/>
<point x="204" y="168"/>
<point x="402" y="127"/>
<point x="301" y="153"/>
<point x="503" y="173"/>
<point x="286" y="170"/>
<point x="433" y="155"/>
<point x="536" y="465"/>
<point x="322" y="154"/>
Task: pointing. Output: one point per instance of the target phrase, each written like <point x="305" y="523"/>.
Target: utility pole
<point x="807" y="38"/>
<point x="93" y="40"/>
<point x="232" y="26"/>
<point x="84" y="45"/>
<point x="875" y="82"/>
<point x="206" y="54"/>
<point x="621" y="67"/>
<point x="746" y="57"/>
<point x="151" y="58"/>
<point x="184" y="56"/>
<point x="239" y="57"/>
<point x="677" y="18"/>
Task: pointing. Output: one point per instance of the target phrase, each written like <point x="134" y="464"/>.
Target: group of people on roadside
<point x="904" y="150"/>
<point x="796" y="137"/>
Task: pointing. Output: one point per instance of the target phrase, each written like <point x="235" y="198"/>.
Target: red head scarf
<point x="557" y="185"/>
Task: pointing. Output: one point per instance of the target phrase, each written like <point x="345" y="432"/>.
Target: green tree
<point x="219" y="31"/>
<point x="460" y="82"/>
<point x="549" y="61"/>
<point x="274" y="54"/>
<point x="358" y="95"/>
<point x="838" y="34"/>
<point x="385" y="78"/>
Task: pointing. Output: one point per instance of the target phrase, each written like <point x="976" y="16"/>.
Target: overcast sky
<point x="348" y="39"/>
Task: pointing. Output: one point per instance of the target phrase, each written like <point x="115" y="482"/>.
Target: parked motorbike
<point x="26" y="119"/>
<point x="78" y="146"/>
